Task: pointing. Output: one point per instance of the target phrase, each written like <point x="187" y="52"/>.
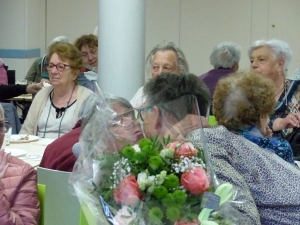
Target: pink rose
<point x="195" y="222"/>
<point x="128" y="192"/>
<point x="185" y="149"/>
<point x="195" y="180"/>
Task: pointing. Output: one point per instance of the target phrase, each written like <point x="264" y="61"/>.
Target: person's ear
<point x="281" y="64"/>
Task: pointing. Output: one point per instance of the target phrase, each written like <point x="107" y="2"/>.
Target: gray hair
<point x="168" y="87"/>
<point x="280" y="50"/>
<point x="89" y="106"/>
<point x="225" y="55"/>
<point x="165" y="46"/>
<point x="59" y="39"/>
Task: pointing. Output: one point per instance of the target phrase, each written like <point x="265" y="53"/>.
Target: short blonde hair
<point x="242" y="98"/>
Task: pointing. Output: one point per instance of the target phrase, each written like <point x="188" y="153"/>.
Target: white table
<point x="35" y="150"/>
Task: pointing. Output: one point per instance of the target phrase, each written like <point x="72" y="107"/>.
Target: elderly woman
<point x="271" y="59"/>
<point x="225" y="58"/>
<point x="18" y="188"/>
<point x="59" y="154"/>
<point x="88" y="47"/>
<point x="54" y="110"/>
<point x="165" y="57"/>
<point x="243" y="103"/>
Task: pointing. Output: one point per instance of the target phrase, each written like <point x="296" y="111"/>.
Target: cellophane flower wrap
<point x="160" y="179"/>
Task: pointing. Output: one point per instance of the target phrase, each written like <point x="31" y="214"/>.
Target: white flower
<point x="136" y="148"/>
<point x="167" y="153"/>
<point x="124" y="216"/>
<point x="142" y="180"/>
<point x="161" y="177"/>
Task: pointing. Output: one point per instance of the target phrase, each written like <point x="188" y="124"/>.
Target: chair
<point x="61" y="207"/>
<point x="41" y="196"/>
<point x="212" y="121"/>
<point x="12" y="116"/>
<point x="86" y="216"/>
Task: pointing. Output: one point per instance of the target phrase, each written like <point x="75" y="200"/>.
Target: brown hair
<point x="69" y="52"/>
<point x="242" y="98"/>
<point x="91" y="40"/>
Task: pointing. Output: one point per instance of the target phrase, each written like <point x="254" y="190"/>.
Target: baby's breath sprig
<point x="121" y="169"/>
<point x="186" y="163"/>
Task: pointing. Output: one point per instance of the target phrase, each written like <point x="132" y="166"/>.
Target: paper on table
<point x="43" y="142"/>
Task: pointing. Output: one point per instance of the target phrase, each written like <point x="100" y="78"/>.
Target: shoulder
<point x="84" y="90"/>
<point x="138" y="98"/>
<point x="19" y="168"/>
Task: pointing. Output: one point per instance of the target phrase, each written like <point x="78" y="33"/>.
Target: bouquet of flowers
<point x="159" y="183"/>
<point x="162" y="179"/>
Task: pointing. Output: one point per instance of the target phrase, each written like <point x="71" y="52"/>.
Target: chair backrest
<point x="212" y="121"/>
<point x="11" y="76"/>
<point x="11" y="115"/>
<point x="61" y="207"/>
<point x="41" y="196"/>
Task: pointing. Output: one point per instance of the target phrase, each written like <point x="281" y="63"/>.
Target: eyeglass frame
<point x="55" y="65"/>
<point x="6" y="125"/>
<point x="135" y="111"/>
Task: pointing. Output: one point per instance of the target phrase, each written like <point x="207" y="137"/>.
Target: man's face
<point x="149" y="116"/>
<point x="164" y="61"/>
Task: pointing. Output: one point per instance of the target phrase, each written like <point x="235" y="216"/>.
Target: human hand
<point x="33" y="88"/>
<point x="3" y="163"/>
<point x="187" y="124"/>
<point x="268" y="133"/>
<point x="290" y="121"/>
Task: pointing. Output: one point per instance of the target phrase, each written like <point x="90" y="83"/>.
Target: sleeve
<point x="30" y="121"/>
<point x="226" y="172"/>
<point x="24" y="210"/>
<point x="225" y="168"/>
<point x="12" y="90"/>
<point x="33" y="71"/>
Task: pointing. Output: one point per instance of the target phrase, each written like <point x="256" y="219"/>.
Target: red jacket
<point x="58" y="155"/>
<point x="19" y="203"/>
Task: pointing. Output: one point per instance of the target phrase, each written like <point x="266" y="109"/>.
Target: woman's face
<point x="61" y="73"/>
<point x="263" y="62"/>
<point x="89" y="55"/>
<point x="129" y="130"/>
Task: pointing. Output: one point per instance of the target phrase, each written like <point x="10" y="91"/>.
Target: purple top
<point x="211" y="77"/>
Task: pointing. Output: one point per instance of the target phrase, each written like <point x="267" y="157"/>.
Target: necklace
<point x="280" y="89"/>
<point x="64" y="112"/>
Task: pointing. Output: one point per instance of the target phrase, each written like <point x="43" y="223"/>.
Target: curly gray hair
<point x="225" y="55"/>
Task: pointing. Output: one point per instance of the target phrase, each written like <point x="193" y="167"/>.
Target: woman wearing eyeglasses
<point x="54" y="110"/>
<point x="18" y="188"/>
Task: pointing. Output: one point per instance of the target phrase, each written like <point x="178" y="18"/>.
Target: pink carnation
<point x="195" y="180"/>
<point x="128" y="192"/>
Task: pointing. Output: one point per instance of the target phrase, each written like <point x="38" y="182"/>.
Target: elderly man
<point x="164" y="57"/>
<point x="268" y="186"/>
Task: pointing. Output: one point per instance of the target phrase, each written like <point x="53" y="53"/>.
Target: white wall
<point x="195" y="25"/>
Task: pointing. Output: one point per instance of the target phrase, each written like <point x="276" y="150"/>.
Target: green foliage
<point x="171" y="181"/>
<point x="160" y="191"/>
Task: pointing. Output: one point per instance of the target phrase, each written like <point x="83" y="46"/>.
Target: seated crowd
<point x="248" y="148"/>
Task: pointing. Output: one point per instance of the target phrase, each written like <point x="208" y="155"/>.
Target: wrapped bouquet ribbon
<point x="162" y="179"/>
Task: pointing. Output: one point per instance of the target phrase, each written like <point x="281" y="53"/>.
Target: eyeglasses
<point x="133" y="114"/>
<point x="139" y="113"/>
<point x="60" y="66"/>
<point x="4" y="126"/>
